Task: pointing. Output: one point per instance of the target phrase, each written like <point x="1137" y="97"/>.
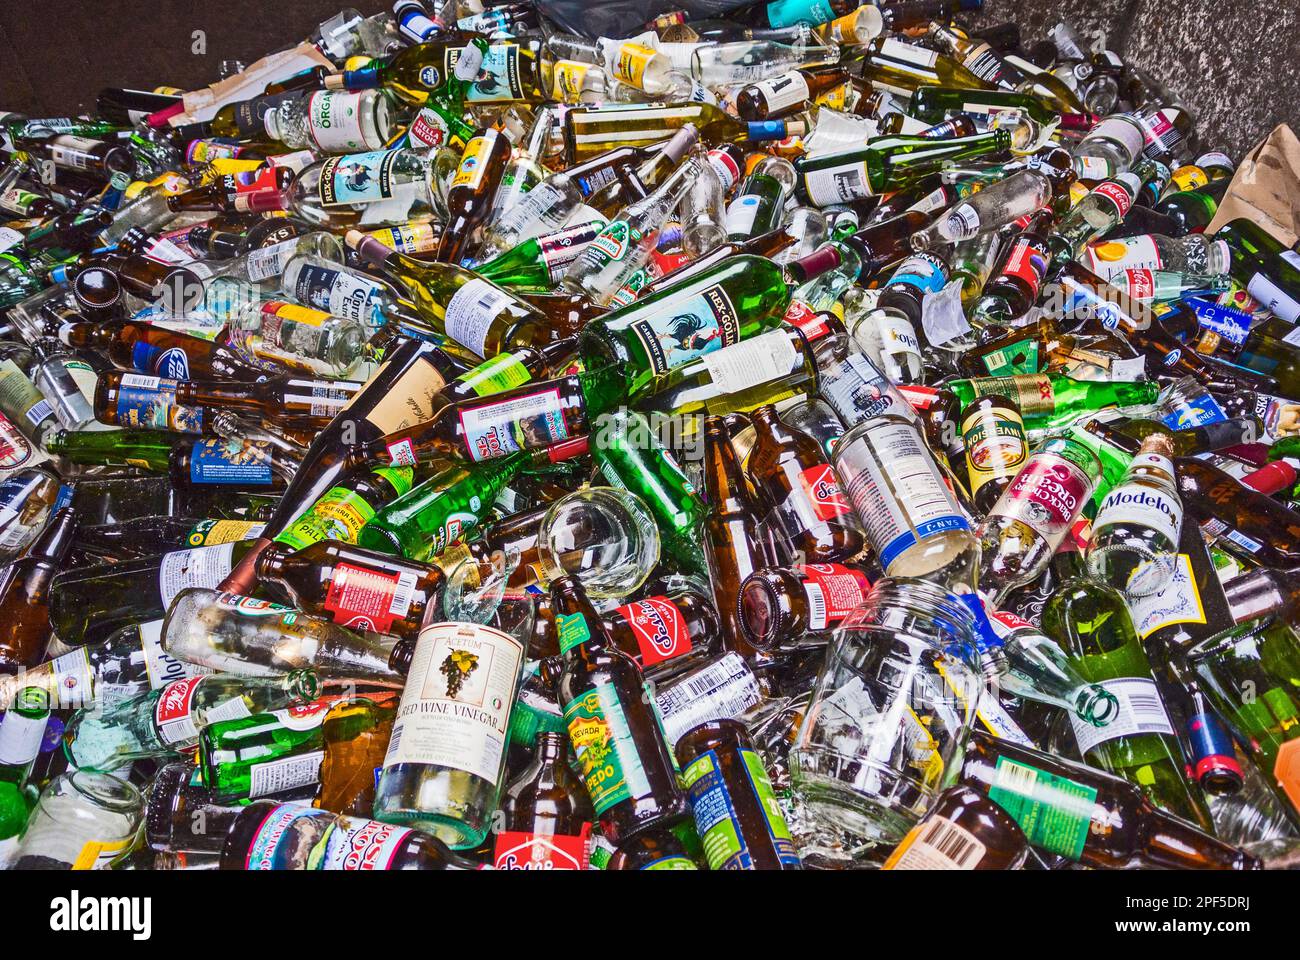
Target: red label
<point x="659" y="628"/>
<point x="175" y="700"/>
<point x="425" y="133"/>
<point x="1047" y="495"/>
<point x="824" y="492"/>
<point x="516" y="850"/>
<point x="1117" y="195"/>
<point x="805" y="318"/>
<point x="1027" y="262"/>
<point x="921" y="398"/>
<point x="1141" y="284"/>
<point x="834" y="590"/>
<point x="361" y="598"/>
<point x="726" y="167"/>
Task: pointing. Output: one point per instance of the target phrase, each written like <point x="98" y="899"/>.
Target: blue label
<point x="921" y="272"/>
<point x="64" y="499"/>
<point x="357" y="178"/>
<point x="1204" y="409"/>
<point x="155" y="408"/>
<point x="1231" y="324"/>
<point x="903" y="541"/>
<point x="171" y="364"/>
<point x="498" y="75"/>
<point x="230" y="462"/>
<point x="688" y="330"/>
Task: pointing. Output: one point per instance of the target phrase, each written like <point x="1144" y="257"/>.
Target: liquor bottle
<point x="506" y="72"/>
<point x="166" y="722"/>
<point x="589" y="131"/>
<point x="547" y="815"/>
<point x="480" y="316"/>
<point x="759" y="204"/>
<point x="1091" y="622"/>
<point x="627" y="241"/>
<point x="787" y="608"/>
<point x="630" y="456"/>
<point x="612" y="721"/>
<point x="886" y="164"/>
<point x="901" y="68"/>
<point x="786" y="93"/>
<point x="797" y="489"/>
<point x="539" y="263"/>
<point x="296" y="337"/>
<point x="242" y="635"/>
<point x="360" y="589"/>
<point x="355" y="735"/>
<point x="933" y="104"/>
<point x="1086" y="815"/>
<point x="470" y="192"/>
<point x="962" y="830"/>
<point x="1031" y="518"/>
<point x="25" y="594"/>
<point x="266" y="835"/>
<point x="445" y="761"/>
<point x="400" y="393"/>
<point x="1135" y="534"/>
<point x="155" y="351"/>
<point x="992" y="208"/>
<point x="1048" y="400"/>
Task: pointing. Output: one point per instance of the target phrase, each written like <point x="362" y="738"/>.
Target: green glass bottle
<point x="503" y="73"/>
<point x="21" y="731"/>
<point x="537" y="264"/>
<point x="630" y="457"/>
<point x="1049" y="400"/>
<point x="264" y="754"/>
<point x="1090" y="621"/>
<point x="886" y="164"/>
<point x="934" y="104"/>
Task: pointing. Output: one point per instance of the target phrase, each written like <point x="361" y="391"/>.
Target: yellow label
<point x="171" y="183"/>
<point x="631" y="62"/>
<point x="1077" y="192"/>
<point x="136" y="462"/>
<point x="1189" y="177"/>
<point x="835" y="97"/>
<point x="344" y="512"/>
<point x="472" y="163"/>
<point x="97" y="853"/>
<point x="222" y="531"/>
<point x="228" y="166"/>
<point x="568" y="77"/>
<point x="299" y="314"/>
<point x="408" y="237"/>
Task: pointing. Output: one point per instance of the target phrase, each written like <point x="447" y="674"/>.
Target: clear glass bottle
<point x="83" y="821"/>
<point x="333" y="121"/>
<point x="603" y="536"/>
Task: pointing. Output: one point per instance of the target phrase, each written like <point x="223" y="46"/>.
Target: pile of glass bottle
<point x="827" y="437"/>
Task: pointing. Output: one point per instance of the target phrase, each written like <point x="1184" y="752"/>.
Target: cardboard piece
<point x="1266" y="187"/>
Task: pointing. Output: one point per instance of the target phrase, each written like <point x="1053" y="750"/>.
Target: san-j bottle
<point x="1088" y="816"/>
<point x="613" y="723"/>
<point x="547" y="813"/>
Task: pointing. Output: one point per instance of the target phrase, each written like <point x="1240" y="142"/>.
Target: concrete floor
<point x="1231" y="61"/>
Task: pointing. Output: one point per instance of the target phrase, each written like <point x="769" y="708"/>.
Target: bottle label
<point x="365" y="599"/>
<point x="500" y="373"/>
<point x="833" y="591"/>
<point x="723" y="690"/>
<point x="231" y="462"/>
<point x="725" y="845"/>
<point x="1033" y="393"/>
<point x="937" y="844"/>
<point x="474" y="161"/>
<point x="996" y="446"/>
<point x="1027" y="263"/>
<point x="1054" y="812"/>
<point x="336" y="292"/>
<point x="428" y="130"/>
<point x="160" y="666"/>
<point x="994" y="718"/>
<point x="521" y="423"/>
<point x="264" y="263"/>
<point x="357" y="178"/>
<point x="497" y="80"/>
<point x="284" y="773"/>
<point x="783" y="92"/>
<point x="742" y="213"/>
<point x="472" y="310"/>
<point x="1109" y="259"/>
<point x="659" y="629"/>
<point x="1119" y="197"/>
<point x="408" y="401"/>
<point x="1020" y="357"/>
<point x="173" y="711"/>
<point x="98" y="854"/>
<point x="899" y="461"/>
<point x="520" y="850"/>
<point x="688" y="330"/>
<point x="209" y="533"/>
<point x="922" y="272"/>
<point x="1142" y="505"/>
<point x="820" y="489"/>
<point x="456" y="703"/>
<point x="671" y="863"/>
<point x="1141" y="711"/>
<point x="149" y="403"/>
<point x="612" y="244"/>
<point x="1286" y="771"/>
<point x="15" y="450"/>
<point x="631" y="61"/>
<point x="20" y="737"/>
<point x="602" y="740"/>
<point x="568" y="77"/>
<point x="1179" y="601"/>
<point x="841" y="183"/>
<point x="749" y="363"/>
<point x="1046" y="496"/>
<point x="336" y="120"/>
<point x="1274" y="298"/>
<point x="201" y="567"/>
<point x="559" y="250"/>
<point x="726" y="167"/>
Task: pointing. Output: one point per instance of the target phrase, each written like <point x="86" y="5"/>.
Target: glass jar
<point x="890" y="711"/>
<point x="913" y="523"/>
<point x="604" y="537"/>
<point x="83" y="821"/>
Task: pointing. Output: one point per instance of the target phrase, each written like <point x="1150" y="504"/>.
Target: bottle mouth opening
<point x="1097" y="705"/>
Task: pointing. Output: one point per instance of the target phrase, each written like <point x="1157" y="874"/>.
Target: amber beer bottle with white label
<point x="481" y="166"/>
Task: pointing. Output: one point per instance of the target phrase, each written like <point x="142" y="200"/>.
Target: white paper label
<point x="470" y="313"/>
<point x="1178" y="602"/>
<point x="781" y="93"/>
<point x="940" y="844"/>
<point x="276" y="776"/>
<point x="751" y="362"/>
<point x="200" y="567"/>
<point x="721" y="691"/>
<point x="266" y="262"/>
<point x="20" y="738"/>
<point x="1142" y="505"/>
<point x="335" y="118"/>
<point x="1141" y="711"/>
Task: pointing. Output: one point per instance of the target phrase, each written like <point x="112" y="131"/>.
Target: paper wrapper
<point x="201" y="105"/>
<point x="1266" y="188"/>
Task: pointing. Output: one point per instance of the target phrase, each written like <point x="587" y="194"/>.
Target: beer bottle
<point x="25" y="594"/>
<point x="996" y="447"/>
<point x="470" y="193"/>
<point x="656" y="848"/>
<point x="361" y="589"/>
<point x="355" y="735"/>
<point x="546" y="812"/>
<point x="797" y="488"/>
<point x="612" y="722"/>
<point x="343" y="511"/>
<point x="786" y="607"/>
<point x="189" y="462"/>
<point x="1246" y="522"/>
<point x="962" y="830"/>
<point x="785" y="93"/>
<point x="157" y="351"/>
<point x="736" y="812"/>
<point x="1088" y="816"/>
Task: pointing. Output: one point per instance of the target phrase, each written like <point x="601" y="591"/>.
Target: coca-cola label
<point x="824" y="492"/>
<point x="520" y="850"/>
<point x="1116" y="194"/>
<point x="659" y="629"/>
<point x="1141" y="284"/>
<point x="172" y="711"/>
<point x="1047" y="495"/>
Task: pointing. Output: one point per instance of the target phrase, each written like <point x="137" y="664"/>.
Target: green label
<point x="338" y="515"/>
<point x="573" y="630"/>
<point x="1018" y="357"/>
<point x="400" y="477"/>
<point x="1054" y="812"/>
<point x="713" y="806"/>
<point x="501" y="373"/>
<point x="602" y="741"/>
<point x="670" y="863"/>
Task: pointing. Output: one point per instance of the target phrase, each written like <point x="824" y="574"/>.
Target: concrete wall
<point x="1232" y="61"/>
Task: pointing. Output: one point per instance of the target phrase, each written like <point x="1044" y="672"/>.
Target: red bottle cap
<point x="161" y="117"/>
<point x="1279" y="475"/>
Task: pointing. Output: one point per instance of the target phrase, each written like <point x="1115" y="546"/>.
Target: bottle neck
<point x="1175" y="845"/>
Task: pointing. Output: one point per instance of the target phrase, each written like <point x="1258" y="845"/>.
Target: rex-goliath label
<point x="457" y="700"/>
<point x="695" y="326"/>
